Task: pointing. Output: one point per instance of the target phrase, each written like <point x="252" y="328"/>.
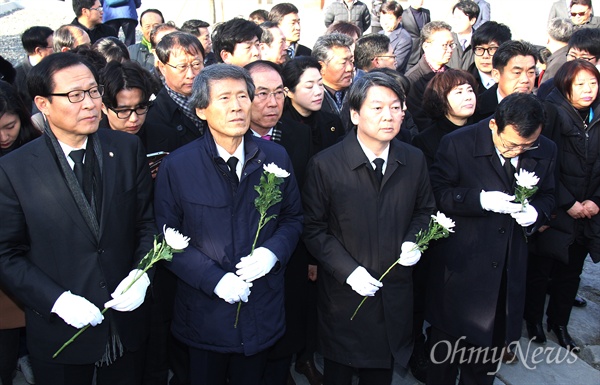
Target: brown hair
<point x="435" y="97"/>
<point x="565" y="76"/>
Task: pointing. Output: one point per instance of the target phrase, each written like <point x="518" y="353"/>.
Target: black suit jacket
<point x="47" y="247"/>
<point x="487" y="103"/>
<point x="410" y="25"/>
<point x="467" y="267"/>
<point x="167" y="128"/>
<point x="419" y="76"/>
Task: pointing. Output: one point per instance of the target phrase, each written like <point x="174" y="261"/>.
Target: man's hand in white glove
<point x="527" y="217"/>
<point x="77" y="311"/>
<point x="257" y="265"/>
<point x="362" y="282"/>
<point x="498" y="202"/>
<point x="410" y="254"/>
<point x="134" y="296"/>
<point x="232" y="289"/>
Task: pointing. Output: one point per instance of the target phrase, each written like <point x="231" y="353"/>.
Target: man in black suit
<point x="476" y="290"/>
<point x="514" y="71"/>
<point x="413" y="19"/>
<point x="485" y="42"/>
<point x="286" y="17"/>
<point x="77" y="219"/>
<point x="437" y="43"/>
<point x="171" y="122"/>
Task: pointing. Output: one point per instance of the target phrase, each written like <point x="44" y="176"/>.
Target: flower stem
<point x="260" y="226"/>
<point x="380" y="278"/>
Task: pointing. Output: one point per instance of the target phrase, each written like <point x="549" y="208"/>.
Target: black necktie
<point x="232" y="163"/>
<point x="379" y="169"/>
<point x="77" y="156"/>
<point x="510" y="171"/>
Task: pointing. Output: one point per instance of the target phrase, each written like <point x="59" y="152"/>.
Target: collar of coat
<point x="357" y="158"/>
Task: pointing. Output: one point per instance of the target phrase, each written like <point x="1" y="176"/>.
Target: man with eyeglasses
<point x="513" y="70"/>
<point x="37" y="42"/>
<point x="77" y="219"/>
<point x="485" y="42"/>
<point x="473" y="182"/>
<point x="88" y="16"/>
<point x="584" y="44"/>
<point x="373" y="51"/>
<point x="171" y="122"/>
<point x="437" y="44"/>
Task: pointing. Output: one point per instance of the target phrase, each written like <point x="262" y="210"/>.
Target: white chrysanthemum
<point x="444" y="221"/>
<point x="175" y="239"/>
<point x="526" y="179"/>
<point x="274" y="169"/>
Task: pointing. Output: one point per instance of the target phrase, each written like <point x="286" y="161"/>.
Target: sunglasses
<point x="580" y="14"/>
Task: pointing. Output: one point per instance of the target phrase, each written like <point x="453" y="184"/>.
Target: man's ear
<point x="104" y="109"/>
<point x="200" y="113"/>
<point x="225" y="56"/>
<point x="161" y="67"/>
<point x="492" y="125"/>
<point x="496" y="75"/>
<point x="323" y="66"/>
<point x="354" y="115"/>
<point x="42" y="103"/>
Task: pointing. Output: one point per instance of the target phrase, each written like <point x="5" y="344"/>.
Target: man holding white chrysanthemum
<point x="365" y="199"/>
<point x="237" y="199"/>
<point x="476" y="289"/>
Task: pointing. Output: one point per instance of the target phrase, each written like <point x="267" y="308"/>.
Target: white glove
<point x="498" y="202"/>
<point x="134" y="296"/>
<point x="527" y="217"/>
<point x="410" y="254"/>
<point x="362" y="282"/>
<point x="257" y="265"/>
<point x="77" y="311"/>
<point x="232" y="289"/>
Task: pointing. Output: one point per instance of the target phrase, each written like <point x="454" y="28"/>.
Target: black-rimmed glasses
<point x="77" y="96"/>
<point x="196" y="66"/>
<point x="523" y="147"/>
<point x="126" y="113"/>
<point x="479" y="51"/>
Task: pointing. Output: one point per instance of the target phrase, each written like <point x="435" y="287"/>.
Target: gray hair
<point x="358" y="90"/>
<point x="66" y="36"/>
<point x="560" y="29"/>
<point x="432" y="27"/>
<point x="322" y="49"/>
<point x="201" y="89"/>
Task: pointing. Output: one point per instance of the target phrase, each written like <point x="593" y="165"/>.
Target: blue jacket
<point x="127" y="11"/>
<point x="194" y="194"/>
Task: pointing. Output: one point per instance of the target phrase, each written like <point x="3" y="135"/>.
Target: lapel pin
<point x="332" y="129"/>
<point x="111" y="154"/>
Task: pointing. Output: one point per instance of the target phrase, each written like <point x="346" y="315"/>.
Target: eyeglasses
<point x="263" y="95"/>
<point x="479" y="51"/>
<point x="196" y="66"/>
<point x="386" y="56"/>
<point x="574" y="57"/>
<point x="77" y="96"/>
<point x="580" y="14"/>
<point x="522" y="147"/>
<point x="99" y="9"/>
<point x="126" y="113"/>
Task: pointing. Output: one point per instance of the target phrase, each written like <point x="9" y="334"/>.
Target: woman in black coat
<point x="305" y="93"/>
<point x="450" y="99"/>
<point x="560" y="250"/>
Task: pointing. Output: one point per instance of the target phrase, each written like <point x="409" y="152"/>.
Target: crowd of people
<point x="300" y="175"/>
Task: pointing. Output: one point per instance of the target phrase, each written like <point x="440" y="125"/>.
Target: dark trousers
<point x="446" y="361"/>
<point x="128" y="26"/>
<point x="226" y="368"/>
<point x="9" y="352"/>
<point x="126" y="370"/>
<point x="340" y="374"/>
<point x="565" y="283"/>
<point x="277" y="371"/>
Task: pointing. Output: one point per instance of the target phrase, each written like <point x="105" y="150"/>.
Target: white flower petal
<point x="175" y="239"/>
<point x="274" y="169"/>
<point x="444" y="221"/>
<point x="526" y="179"/>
